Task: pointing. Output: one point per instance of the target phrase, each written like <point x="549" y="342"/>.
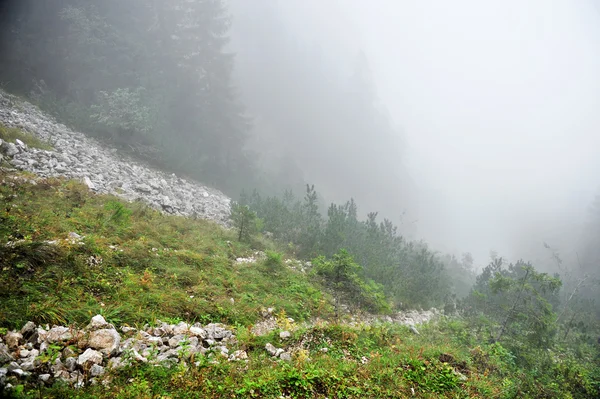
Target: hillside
<point x="220" y="317"/>
<point x="68" y="254"/>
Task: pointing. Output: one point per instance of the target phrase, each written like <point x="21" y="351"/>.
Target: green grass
<point x="152" y="266"/>
<point x="136" y="265"/>
<point x="11" y="134"/>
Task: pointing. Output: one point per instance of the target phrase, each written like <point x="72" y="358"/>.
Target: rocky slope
<point x="103" y="169"/>
<point x="80" y="357"/>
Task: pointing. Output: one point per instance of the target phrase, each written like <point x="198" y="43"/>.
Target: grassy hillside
<point x="128" y="263"/>
<point x="66" y="255"/>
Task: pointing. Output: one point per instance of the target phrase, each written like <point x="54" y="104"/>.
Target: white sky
<point x="500" y="101"/>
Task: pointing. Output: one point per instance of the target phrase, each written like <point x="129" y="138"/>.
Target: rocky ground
<point x="80" y="357"/>
<point x="103" y="169"/>
<point x="45" y="354"/>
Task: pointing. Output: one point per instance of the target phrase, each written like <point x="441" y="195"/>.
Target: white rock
<point x="271" y="349"/>
<point x="96" y="370"/>
<point x="198" y="332"/>
<point x="90" y="356"/>
<point x="106" y="341"/>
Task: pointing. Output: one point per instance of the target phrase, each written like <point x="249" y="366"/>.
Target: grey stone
<point x="58" y="334"/>
<point x="198" y="332"/>
<point x="68" y="352"/>
<point x="9" y="149"/>
<point x="271" y="349"/>
<point x="97" y="321"/>
<point x="238" y="355"/>
<point x="78" y="156"/>
<point x="96" y="370"/>
<point x="129" y="330"/>
<point x="176" y="340"/>
<point x="13" y="366"/>
<point x="13" y="339"/>
<point x="5" y="355"/>
<point x="181" y="328"/>
<point x="106" y="341"/>
<point x="57" y="367"/>
<point x="136" y="356"/>
<point x="89" y="357"/>
<point x="71" y="363"/>
<point x="285" y="334"/>
<point x="20" y="373"/>
<point x="155" y="341"/>
<point x="28" y="328"/>
<point x="45" y="378"/>
<point x="286" y="356"/>
<point x="28" y="365"/>
<point x="217" y="332"/>
<point x="116" y="363"/>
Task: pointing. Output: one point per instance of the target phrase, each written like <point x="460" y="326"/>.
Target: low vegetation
<point x="11" y="134"/>
<point x="66" y="255"/>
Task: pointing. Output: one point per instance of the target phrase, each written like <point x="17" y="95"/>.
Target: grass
<point x="11" y="134"/>
<point x="134" y="265"/>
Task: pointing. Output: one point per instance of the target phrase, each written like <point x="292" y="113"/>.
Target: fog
<point x="472" y="125"/>
<point x="498" y="104"/>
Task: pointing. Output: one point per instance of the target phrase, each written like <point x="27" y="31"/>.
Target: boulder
<point x="58" y="334"/>
<point x="97" y="321"/>
<point x="106" y="341"/>
<point x="5" y="355"/>
<point x="13" y="339"/>
<point x="28" y="329"/>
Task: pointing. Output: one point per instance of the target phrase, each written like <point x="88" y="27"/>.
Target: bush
<point x="273" y="261"/>
<point x="123" y="111"/>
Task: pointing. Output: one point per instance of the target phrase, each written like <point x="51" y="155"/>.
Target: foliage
<point x="122" y="111"/>
<point x="344" y="276"/>
<point x="244" y="220"/>
<point x="517" y="302"/>
<point x="171" y="268"/>
<point x="133" y="265"/>
<point x="161" y="78"/>
<point x="409" y="272"/>
<point x="273" y="261"/>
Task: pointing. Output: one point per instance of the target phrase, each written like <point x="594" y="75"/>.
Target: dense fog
<point x="471" y="125"/>
<point x="494" y="108"/>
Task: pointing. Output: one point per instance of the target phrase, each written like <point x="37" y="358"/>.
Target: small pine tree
<point x="244" y="220"/>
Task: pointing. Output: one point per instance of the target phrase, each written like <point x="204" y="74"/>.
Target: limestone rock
<point x="105" y="340"/>
<point x="13" y="339"/>
<point x="96" y="370"/>
<point x="89" y="357"/>
<point x="97" y="321"/>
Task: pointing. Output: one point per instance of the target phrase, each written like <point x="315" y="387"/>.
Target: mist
<point x="497" y="103"/>
<point x="470" y="125"/>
